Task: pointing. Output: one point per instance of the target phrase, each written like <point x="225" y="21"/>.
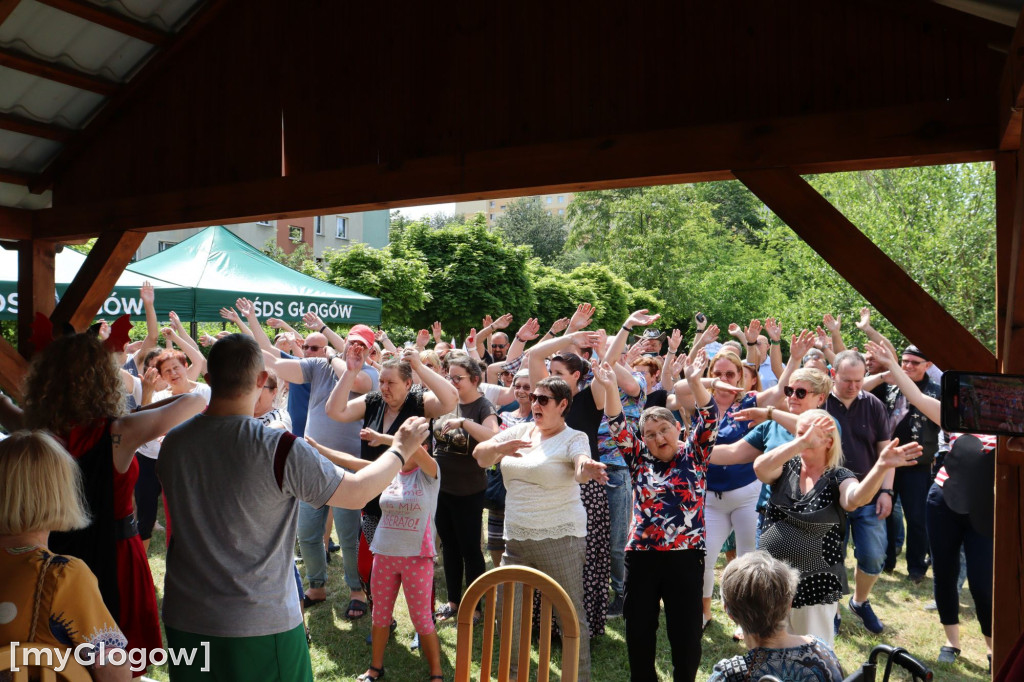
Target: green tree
<point x="471" y="272"/>
<point x="294" y="260"/>
<point x="526" y="223"/>
<point x="399" y="280"/>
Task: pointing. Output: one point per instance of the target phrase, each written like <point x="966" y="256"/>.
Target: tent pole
<point x="194" y="330"/>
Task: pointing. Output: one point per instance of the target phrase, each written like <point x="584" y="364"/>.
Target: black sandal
<point x="366" y="677"/>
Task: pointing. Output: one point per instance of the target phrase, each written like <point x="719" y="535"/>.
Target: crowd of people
<point x="620" y="464"/>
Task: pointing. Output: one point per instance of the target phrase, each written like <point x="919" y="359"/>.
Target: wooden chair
<point x="552" y="596"/>
<point x="73" y="670"/>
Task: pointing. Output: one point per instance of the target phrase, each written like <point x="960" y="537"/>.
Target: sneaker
<point x="446" y="612"/>
<point x="917" y="579"/>
<point x="931" y="606"/>
<point x="333" y="547"/>
<point x="867" y="616"/>
<point x="615" y="607"/>
<point x="948" y="654"/>
<point x="836" y="622"/>
<point x="415" y="643"/>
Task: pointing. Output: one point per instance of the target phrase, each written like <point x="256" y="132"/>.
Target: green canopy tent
<point x="123" y="299"/>
<point x="219" y="267"/>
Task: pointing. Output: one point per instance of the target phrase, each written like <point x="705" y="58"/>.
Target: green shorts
<point x="283" y="657"/>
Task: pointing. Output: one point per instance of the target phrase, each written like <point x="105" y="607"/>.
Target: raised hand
<point x="151" y="378"/>
<point x="594" y="471"/>
<point x="167" y="332"/>
<point x="604" y="374"/>
<point x="229" y="314"/>
<point x="411" y="434"/>
<point x="819" y="432"/>
<point x="503" y="321"/>
<point x="674" y="341"/>
<point x="355" y="356"/>
<point x="486" y="322"/>
<point x="586" y="339"/>
<point x="312" y="322"/>
<point x="773" y="329"/>
<point x="602" y="341"/>
<point x="147" y="293"/>
<point x="708" y="335"/>
<point x="881" y="353"/>
<point x="864" y="323"/>
<point x="832" y="323"/>
<point x="471" y="339"/>
<point x="581" y="318"/>
<point x="275" y="323"/>
<point x="412" y="356"/>
<point x="529" y="331"/>
<point x="895" y="455"/>
<point x="560" y="325"/>
<point x="734" y="330"/>
<point x="801" y="343"/>
<point x="635" y="350"/>
<point x="245" y="307"/>
<point x="422" y="338"/>
<point x="823" y="341"/>
<point x="175" y="321"/>
<point x="205" y="340"/>
<point x="752" y="331"/>
<point x="754" y="415"/>
<point x="693" y="370"/>
<point x="641" y="318"/>
<point x="436" y="332"/>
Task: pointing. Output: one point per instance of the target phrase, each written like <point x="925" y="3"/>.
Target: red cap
<point x="362" y="334"/>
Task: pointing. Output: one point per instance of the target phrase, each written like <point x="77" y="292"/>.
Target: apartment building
<point x="555" y="204"/>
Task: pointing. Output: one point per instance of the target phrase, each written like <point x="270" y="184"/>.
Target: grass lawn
<point x="340" y="651"/>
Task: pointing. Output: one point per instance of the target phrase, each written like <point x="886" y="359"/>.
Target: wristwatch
<point x="888" y="491"/>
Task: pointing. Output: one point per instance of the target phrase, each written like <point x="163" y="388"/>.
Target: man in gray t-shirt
<point x="232" y="488"/>
<point x="321" y="377"/>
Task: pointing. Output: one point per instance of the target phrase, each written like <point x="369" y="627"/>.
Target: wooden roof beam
<point x="12" y="177"/>
<point x="6" y="7"/>
<point x="36" y="287"/>
<point x="13" y="369"/>
<point x="110" y="19"/>
<point x="96" y="278"/>
<point x="1011" y="92"/>
<point x="56" y="72"/>
<point x="28" y="126"/>
<point x="953" y="132"/>
<point x="857" y="260"/>
<point x="15" y="223"/>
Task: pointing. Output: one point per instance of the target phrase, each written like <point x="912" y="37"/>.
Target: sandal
<point x="367" y="677"/>
<point x="357" y="607"/>
<point x="307" y="602"/>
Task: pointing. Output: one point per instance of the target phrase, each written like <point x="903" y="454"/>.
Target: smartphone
<point x="983" y="403"/>
<point x="700" y="319"/>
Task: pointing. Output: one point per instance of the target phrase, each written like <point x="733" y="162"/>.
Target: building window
<point x="268" y="223"/>
<point x="547" y="200"/>
<point x="163" y="246"/>
<point x="492" y="205"/>
<point x="295" y="233"/>
<point x="318" y="225"/>
<point x="342" y="228"/>
<point x="491" y="216"/>
<point x="561" y="211"/>
<point x="502" y="207"/>
<point x="561" y="200"/>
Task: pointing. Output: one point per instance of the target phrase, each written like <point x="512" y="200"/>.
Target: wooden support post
<point x="96" y="278"/>
<point x="37" y="291"/>
<point x="1006" y="254"/>
<point x="13" y="368"/>
<point x="856" y="258"/>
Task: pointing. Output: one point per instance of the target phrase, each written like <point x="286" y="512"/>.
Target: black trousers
<point x="147" y="495"/>
<point x="677" y="578"/>
<point x="459" y="520"/>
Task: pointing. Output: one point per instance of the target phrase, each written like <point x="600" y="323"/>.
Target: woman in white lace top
<point x="543" y="464"/>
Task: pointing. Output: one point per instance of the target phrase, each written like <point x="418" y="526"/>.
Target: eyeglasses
<point x="499" y="345"/>
<point x="542" y="399"/>
<point x="306" y="346"/>
<point x="455" y="378"/>
<point x="800" y="393"/>
<point x="912" y="363"/>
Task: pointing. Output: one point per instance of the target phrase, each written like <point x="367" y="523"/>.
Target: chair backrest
<point x="551" y="596"/>
<point x="48" y="659"/>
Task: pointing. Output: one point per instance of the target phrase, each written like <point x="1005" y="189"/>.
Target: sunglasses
<point x="521" y="387"/>
<point x="499" y="345"/>
<point x="542" y="399"/>
<point x="306" y="346"/>
<point x="800" y="393"/>
<point x="912" y="363"/>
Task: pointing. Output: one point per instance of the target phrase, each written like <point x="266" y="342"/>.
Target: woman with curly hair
<point x="73" y="389"/>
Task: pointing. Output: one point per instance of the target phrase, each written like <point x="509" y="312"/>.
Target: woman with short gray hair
<point x="757" y="590"/>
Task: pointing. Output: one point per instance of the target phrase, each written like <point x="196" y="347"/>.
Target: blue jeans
<point x="911" y="486"/>
<point x="310" y="531"/>
<point x="868" y="532"/>
<point x="950" y="534"/>
<point x="620" y="506"/>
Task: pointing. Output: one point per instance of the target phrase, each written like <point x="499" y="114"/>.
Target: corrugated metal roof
<point x="52" y="36"/>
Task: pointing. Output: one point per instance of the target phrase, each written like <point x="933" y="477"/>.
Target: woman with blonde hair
<point x="73" y="390"/>
<point x="47" y="598"/>
<point x="805" y="523"/>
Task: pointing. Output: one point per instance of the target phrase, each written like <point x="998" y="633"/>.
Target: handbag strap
<point x="39" y="596"/>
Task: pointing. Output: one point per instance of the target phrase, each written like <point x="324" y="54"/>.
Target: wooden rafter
<point x="1006" y="255"/>
<point x="13" y="368"/>
<point x="170" y="47"/>
<point x="866" y="267"/>
<point x="36" y="287"/>
<point x="1011" y="94"/>
<point x="28" y="126"/>
<point x="110" y="19"/>
<point x="15" y="177"/>
<point x="904" y="136"/>
<point x="96" y="278"/>
<point x="56" y="72"/>
<point x="15" y="223"/>
<point x="6" y="7"/>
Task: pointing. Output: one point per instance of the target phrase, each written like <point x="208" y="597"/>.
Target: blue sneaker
<point x="867" y="616"/>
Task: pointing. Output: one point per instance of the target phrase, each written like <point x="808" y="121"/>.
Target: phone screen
<point x="983" y="403"/>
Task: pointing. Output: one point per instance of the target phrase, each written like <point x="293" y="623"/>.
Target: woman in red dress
<point x="74" y="390"/>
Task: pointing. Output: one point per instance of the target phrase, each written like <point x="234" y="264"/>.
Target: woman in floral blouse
<point x="665" y="553"/>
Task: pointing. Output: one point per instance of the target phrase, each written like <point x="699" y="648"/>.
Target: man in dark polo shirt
<point x="865" y="432"/>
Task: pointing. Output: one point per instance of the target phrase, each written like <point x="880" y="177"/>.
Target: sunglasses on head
<point x="800" y="393"/>
<point x="306" y="346"/>
<point x="542" y="399"/>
